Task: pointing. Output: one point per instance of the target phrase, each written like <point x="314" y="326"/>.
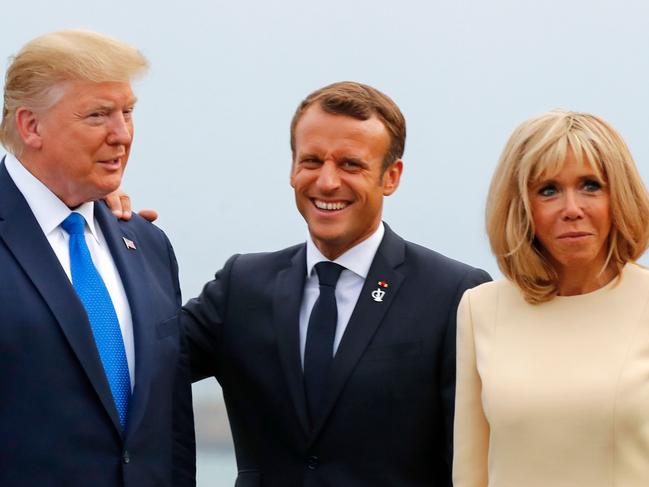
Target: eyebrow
<point x="553" y="179"/>
<point x="109" y="105"/>
<point x="308" y="155"/>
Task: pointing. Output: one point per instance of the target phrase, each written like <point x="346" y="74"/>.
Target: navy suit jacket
<point x="58" y="422"/>
<point x="388" y="417"/>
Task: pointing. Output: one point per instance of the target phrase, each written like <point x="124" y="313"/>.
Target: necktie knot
<point x="74" y="224"/>
<point x="328" y="273"/>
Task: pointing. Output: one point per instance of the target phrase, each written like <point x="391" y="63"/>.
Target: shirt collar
<point x="358" y="259"/>
<point x="48" y="209"/>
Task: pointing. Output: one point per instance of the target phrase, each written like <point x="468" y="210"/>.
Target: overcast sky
<point x="211" y="152"/>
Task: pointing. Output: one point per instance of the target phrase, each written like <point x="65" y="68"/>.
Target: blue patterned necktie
<point x="319" y="349"/>
<point x="103" y="320"/>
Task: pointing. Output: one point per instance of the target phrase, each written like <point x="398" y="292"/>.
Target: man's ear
<point x="391" y="177"/>
<point x="28" y="128"/>
<point x="291" y="178"/>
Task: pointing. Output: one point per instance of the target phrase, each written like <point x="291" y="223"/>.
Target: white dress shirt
<point x="357" y="262"/>
<point x="50" y="211"/>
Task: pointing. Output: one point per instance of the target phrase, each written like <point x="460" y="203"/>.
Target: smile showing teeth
<point x="330" y="205"/>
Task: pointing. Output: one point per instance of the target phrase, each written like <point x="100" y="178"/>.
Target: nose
<point x="328" y="178"/>
<point x="120" y="130"/>
<point x="572" y="208"/>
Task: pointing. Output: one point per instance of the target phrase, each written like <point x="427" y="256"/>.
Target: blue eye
<point x="591" y="185"/>
<point x="548" y="190"/>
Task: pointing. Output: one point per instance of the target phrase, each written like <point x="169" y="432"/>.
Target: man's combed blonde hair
<point x="539" y="148"/>
<point x="43" y="63"/>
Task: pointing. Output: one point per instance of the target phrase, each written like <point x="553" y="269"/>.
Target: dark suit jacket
<point x="58" y="422"/>
<point x="389" y="413"/>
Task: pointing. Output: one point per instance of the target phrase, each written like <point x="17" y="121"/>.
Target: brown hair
<point x="361" y="102"/>
<point x="539" y="146"/>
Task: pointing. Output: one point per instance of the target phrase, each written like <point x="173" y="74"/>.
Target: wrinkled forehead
<point x="85" y="92"/>
<point x="551" y="161"/>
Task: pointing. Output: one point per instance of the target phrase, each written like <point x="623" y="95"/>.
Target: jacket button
<point x="126" y="457"/>
<point x="312" y="462"/>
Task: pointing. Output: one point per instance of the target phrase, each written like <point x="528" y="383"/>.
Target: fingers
<point x="126" y="206"/>
<point x="119" y="204"/>
<point x="148" y="214"/>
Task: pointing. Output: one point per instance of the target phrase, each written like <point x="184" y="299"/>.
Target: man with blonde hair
<point x="94" y="391"/>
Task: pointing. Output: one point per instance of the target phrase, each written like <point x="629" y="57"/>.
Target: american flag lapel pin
<point x="129" y="244"/>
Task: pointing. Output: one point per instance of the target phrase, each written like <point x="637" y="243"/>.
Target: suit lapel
<point x="132" y="273"/>
<point x="23" y="236"/>
<point x="289" y="289"/>
<point x="365" y="319"/>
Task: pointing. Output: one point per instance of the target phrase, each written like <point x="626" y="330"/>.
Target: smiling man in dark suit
<point x="89" y="334"/>
<point x="337" y="357"/>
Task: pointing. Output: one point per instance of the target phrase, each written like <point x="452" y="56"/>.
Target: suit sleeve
<point x="202" y="320"/>
<point x="471" y="426"/>
<point x="184" y="443"/>
<point x="472" y="278"/>
<point x="184" y="452"/>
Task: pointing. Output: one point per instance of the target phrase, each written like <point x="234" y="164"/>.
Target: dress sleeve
<point x="471" y="429"/>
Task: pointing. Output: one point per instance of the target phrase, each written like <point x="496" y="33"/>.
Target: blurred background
<point x="212" y="123"/>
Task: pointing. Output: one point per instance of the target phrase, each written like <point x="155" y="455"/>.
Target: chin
<point x="581" y="261"/>
<point x="326" y="233"/>
<point x="326" y="239"/>
<point x="109" y="185"/>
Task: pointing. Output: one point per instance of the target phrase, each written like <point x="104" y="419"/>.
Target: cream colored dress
<point x="557" y="394"/>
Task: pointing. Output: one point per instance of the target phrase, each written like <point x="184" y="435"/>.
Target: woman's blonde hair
<point x="539" y="147"/>
<point x="43" y="63"/>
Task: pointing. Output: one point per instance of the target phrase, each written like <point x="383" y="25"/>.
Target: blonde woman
<point x="553" y="361"/>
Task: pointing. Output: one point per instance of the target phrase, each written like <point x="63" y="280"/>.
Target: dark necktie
<point x="319" y="349"/>
<point x="94" y="296"/>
